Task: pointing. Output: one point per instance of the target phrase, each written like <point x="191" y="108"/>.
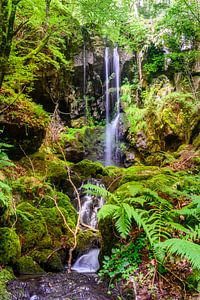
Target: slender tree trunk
<point x="7" y="20"/>
<point x="47" y="11"/>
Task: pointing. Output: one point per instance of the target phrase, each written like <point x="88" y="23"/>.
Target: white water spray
<point x="87" y="263"/>
<point x="112" y="123"/>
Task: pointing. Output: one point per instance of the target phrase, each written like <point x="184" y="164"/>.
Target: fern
<point x="184" y="249"/>
<point x="193" y="233"/>
<point x="123" y="216"/>
<point x="107" y="210"/>
<point x="98" y="191"/>
<point x="24" y="215"/>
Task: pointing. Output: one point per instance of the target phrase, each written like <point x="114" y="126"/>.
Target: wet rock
<point x="141" y="141"/>
<point x="26" y="265"/>
<point x="23" y="125"/>
<point x="60" y="286"/>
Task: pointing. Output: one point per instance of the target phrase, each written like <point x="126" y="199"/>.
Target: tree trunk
<point x="7" y="20"/>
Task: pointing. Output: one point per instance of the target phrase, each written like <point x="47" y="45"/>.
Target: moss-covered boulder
<point x="50" y="261"/>
<point x="10" y="249"/>
<point x="26" y="265"/>
<point x="86" y="142"/>
<point x="31" y="189"/>
<point x="87" y="240"/>
<point x="60" y="234"/>
<point x="24" y="125"/>
<point x="137" y="173"/>
<point x="31" y="228"/>
<point x="5" y="276"/>
<point x="89" y="169"/>
<point x="166" y="120"/>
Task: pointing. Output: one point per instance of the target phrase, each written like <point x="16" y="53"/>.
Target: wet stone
<point x="62" y="286"/>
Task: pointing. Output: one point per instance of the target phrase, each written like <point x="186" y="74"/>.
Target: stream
<point x="59" y="286"/>
<point x="82" y="284"/>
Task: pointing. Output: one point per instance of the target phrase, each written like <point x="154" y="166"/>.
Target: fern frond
<point x="24" y="215"/>
<point x="196" y="199"/>
<point x="177" y="226"/>
<point x="4" y="200"/>
<point x="186" y="211"/>
<point x="107" y="210"/>
<point x="184" y="249"/>
<point x="123" y="223"/>
<point x="193" y="233"/>
<point x="4" y="186"/>
<point x="137" y="200"/>
<point x="95" y="190"/>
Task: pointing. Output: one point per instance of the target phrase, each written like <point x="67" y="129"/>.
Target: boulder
<point x="23" y="125"/>
<point x="10" y="248"/>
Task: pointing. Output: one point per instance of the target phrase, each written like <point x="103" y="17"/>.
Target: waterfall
<point x="112" y="123"/>
<point x="85" y="78"/>
<point x="87" y="263"/>
<point x="90" y="205"/>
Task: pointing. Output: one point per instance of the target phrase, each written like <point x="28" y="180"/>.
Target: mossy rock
<point x="48" y="260"/>
<point x="62" y="201"/>
<point x="45" y="163"/>
<point x="89" y="169"/>
<point x="159" y="159"/>
<point x="137" y="173"/>
<point x="109" y="236"/>
<point x="10" y="249"/>
<point x="5" y="276"/>
<point x="26" y="265"/>
<point x="56" y="227"/>
<point x="31" y="228"/>
<point x="32" y="189"/>
<point x="88" y="239"/>
<point x="129" y="189"/>
<point x="24" y="124"/>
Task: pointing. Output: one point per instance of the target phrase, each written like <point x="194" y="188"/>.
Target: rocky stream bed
<point x="60" y="286"/>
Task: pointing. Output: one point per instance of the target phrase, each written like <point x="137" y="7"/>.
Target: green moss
<point x="49" y="261"/>
<point x="5" y="276"/>
<point x="62" y="201"/>
<point x="88" y="169"/>
<point x="129" y="189"/>
<point x="10" y="248"/>
<point x="55" y="224"/>
<point x="24" y="112"/>
<point x="26" y="265"/>
<point x="32" y="228"/>
<point x="137" y="173"/>
<point x="73" y="134"/>
<point x="31" y="188"/>
<point x="87" y="239"/>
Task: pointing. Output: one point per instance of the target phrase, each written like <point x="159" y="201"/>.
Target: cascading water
<point x="88" y="262"/>
<point x="112" y="123"/>
<point x="90" y="206"/>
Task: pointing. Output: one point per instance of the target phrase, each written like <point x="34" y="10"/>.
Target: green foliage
<point x="10" y="248"/>
<point x="149" y="205"/>
<point x="5" y="188"/>
<point x="186" y="249"/>
<point x="123" y="261"/>
<point x="26" y="265"/>
<point x="32" y="229"/>
<point x="5" y="276"/>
